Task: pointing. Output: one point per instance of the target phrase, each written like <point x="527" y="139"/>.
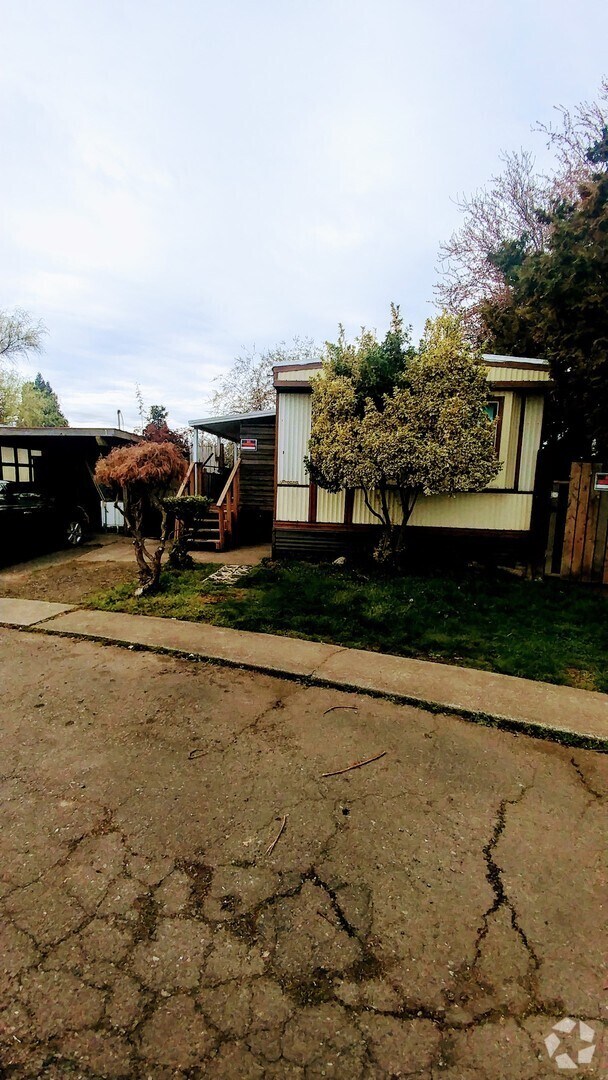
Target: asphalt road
<point x="432" y="914"/>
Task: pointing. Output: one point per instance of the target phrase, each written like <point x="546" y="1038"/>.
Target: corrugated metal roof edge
<point x="230" y="418"/>
<point x="74" y="432"/>
<point x="497" y="358"/>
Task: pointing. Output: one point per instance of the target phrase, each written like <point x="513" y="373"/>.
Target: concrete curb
<point x="552" y="732"/>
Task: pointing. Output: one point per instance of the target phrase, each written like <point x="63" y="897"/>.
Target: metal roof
<point x="499" y="358"/>
<point x="228" y="427"/>
<point x="7" y="431"/>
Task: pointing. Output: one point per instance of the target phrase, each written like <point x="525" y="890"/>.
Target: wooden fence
<point x="585" y="544"/>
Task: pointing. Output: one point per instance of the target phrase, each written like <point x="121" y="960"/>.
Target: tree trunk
<point x="149" y="575"/>
<point x="408" y="497"/>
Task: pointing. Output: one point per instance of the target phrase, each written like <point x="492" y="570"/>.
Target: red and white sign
<point x="601" y="481"/>
<point x="249" y="444"/>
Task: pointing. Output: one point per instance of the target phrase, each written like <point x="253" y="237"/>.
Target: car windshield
<point x="11" y="490"/>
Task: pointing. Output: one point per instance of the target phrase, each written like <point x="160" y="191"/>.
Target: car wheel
<point x="74" y="532"/>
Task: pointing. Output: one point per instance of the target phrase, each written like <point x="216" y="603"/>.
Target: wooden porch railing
<point x="202" y="480"/>
<point x="187" y="485"/>
<point x="227" y="506"/>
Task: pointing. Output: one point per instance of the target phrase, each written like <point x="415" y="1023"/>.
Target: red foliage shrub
<point x="161" y="433"/>
<point x="148" y="464"/>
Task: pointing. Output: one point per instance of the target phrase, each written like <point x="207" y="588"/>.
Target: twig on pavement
<point x="271" y="847"/>
<point x="355" y="765"/>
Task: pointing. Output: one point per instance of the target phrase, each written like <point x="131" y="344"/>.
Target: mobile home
<point x="309" y="521"/>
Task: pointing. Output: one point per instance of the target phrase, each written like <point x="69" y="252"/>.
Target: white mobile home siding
<point x="294" y="433"/>
<point x="475" y="510"/>
<point x="505" y="505"/>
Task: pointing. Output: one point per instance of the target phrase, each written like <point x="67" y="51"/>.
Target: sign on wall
<point x="601" y="481"/>
<point x="249" y="444"/>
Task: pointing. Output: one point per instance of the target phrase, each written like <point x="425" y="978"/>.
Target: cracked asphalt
<point x="432" y="914"/>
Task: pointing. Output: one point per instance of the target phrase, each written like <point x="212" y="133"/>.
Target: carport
<point x="60" y="461"/>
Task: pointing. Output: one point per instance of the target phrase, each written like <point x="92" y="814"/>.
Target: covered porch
<point x="233" y="465"/>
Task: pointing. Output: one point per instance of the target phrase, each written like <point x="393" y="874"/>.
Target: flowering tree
<point x="427" y="433"/>
<point x="512" y="218"/>
<point x="248" y="386"/>
<point x="143" y="475"/>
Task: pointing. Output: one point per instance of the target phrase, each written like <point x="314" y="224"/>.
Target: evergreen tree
<point x="39" y="406"/>
<point x="157" y="430"/>
<point x="557" y="308"/>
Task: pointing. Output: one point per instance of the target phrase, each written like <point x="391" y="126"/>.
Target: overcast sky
<point x="184" y="179"/>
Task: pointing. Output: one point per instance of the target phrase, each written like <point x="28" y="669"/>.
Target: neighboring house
<point x="60" y="461"/>
<point x="309" y="521"/>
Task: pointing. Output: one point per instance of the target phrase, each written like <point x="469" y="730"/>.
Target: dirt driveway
<point x="431" y="914"/>
<point x="70" y="576"/>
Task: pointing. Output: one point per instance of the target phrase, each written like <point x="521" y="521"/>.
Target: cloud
<point x="182" y="182"/>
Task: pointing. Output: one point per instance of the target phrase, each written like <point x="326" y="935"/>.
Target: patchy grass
<point x="544" y="630"/>
<point x="182" y="595"/>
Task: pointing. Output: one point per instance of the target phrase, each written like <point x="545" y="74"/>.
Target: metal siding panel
<point x="475" y="510"/>
<point x="294" y="433"/>
<point x="330" y="507"/>
<point x="531" y="441"/>
<point x="361" y="515"/>
<point x="522" y="374"/>
<point x="513" y="439"/>
<point x="292" y="504"/>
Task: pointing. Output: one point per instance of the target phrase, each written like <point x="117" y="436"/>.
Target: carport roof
<point x="229" y="427"/>
<point x="6" y="432"/>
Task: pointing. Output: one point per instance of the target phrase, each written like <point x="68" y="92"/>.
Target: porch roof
<point x="229" y="427"/>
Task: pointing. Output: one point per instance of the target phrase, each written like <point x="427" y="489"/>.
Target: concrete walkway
<point x="561" y="713"/>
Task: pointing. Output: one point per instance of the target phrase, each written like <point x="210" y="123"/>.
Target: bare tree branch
<point x="248" y="385"/>
<point x="19" y="334"/>
<point x="514" y="209"/>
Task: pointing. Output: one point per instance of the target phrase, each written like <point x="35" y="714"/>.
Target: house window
<point x="17" y="464"/>
<point x="494" y="411"/>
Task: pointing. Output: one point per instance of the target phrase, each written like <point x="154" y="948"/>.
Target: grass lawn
<point x="542" y="630"/>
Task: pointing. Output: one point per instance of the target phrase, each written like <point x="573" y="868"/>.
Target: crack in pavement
<point x="584" y="781"/>
<point x="494" y="878"/>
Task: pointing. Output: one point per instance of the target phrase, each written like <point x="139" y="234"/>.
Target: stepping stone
<point x="229" y="574"/>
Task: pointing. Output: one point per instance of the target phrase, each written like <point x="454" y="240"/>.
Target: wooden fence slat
<point x="550" y="540"/>
<point x="590" y="534"/>
<point x="573" y="492"/>
<point x="581" y="521"/>
<point x="600" y="551"/>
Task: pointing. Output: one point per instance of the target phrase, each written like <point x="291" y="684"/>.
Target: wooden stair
<point x="218" y="529"/>
<point x="206" y="534"/>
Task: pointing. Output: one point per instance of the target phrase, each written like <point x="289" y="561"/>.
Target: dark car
<point x="32" y="520"/>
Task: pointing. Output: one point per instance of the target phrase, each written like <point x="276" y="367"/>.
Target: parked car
<point x="31" y="519"/>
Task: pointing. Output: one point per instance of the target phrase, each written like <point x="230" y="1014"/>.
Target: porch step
<point x="210" y="532"/>
<point x="206" y="536"/>
<point x="204" y="545"/>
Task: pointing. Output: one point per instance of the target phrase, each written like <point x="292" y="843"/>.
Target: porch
<point x="233" y="465"/>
